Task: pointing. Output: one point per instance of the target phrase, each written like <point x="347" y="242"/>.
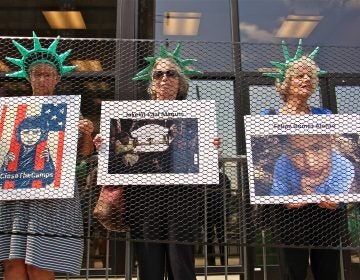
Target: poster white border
<point x="291" y="125"/>
<point x="203" y="110"/>
<point x="67" y="178"/>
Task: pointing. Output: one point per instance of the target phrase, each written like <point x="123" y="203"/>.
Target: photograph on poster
<point x="312" y="160"/>
<point x="152" y="141"/>
<point x="37" y="159"/>
<point x="160" y="146"/>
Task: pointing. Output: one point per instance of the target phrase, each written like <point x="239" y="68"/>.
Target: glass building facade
<point x="234" y="32"/>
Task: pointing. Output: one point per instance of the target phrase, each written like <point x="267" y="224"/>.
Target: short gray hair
<point x="294" y="67"/>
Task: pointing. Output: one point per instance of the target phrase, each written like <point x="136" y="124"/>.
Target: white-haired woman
<point x="304" y="224"/>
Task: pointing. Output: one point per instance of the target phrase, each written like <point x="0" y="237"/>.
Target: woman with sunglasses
<point x="168" y="82"/>
<point x="165" y="213"/>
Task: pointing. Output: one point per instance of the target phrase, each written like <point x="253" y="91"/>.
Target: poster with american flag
<point x="37" y="151"/>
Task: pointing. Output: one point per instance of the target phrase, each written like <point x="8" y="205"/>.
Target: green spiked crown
<point x="283" y="66"/>
<point x="183" y="64"/>
<point x="39" y="55"/>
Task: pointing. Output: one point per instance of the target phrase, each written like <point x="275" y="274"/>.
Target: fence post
<point x="263" y="237"/>
<point x="128" y="257"/>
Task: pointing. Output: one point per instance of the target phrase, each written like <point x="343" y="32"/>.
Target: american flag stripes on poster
<point x="37" y="155"/>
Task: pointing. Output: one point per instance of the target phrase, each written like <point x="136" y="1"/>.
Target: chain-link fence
<point x="192" y="213"/>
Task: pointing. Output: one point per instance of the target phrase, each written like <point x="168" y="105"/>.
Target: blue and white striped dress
<point x="46" y="233"/>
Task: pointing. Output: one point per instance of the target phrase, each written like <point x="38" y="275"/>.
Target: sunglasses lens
<point x="171" y="73"/>
<point x="158" y="74"/>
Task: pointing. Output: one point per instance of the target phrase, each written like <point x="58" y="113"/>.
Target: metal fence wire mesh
<point x="195" y="213"/>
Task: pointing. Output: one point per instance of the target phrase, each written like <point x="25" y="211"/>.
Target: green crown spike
<point x="314" y="53"/>
<point x="283" y="66"/>
<point x="183" y="64"/>
<point x="39" y="55"/>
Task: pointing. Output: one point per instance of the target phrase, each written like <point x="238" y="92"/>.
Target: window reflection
<point x="200" y="20"/>
<point x="320" y="22"/>
<point x="222" y="92"/>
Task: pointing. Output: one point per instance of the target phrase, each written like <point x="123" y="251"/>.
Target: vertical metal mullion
<point x="125" y="29"/>
<point x="327" y="94"/>
<point x="234" y="16"/>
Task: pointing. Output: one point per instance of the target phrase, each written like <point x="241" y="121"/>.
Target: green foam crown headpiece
<point x="39" y="55"/>
<point x="283" y="66"/>
<point x="183" y="64"/>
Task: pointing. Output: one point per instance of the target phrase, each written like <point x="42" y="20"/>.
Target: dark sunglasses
<point x="158" y="74"/>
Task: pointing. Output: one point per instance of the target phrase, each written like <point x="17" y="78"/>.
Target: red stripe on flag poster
<point x="39" y="163"/>
<point x="59" y="156"/>
<point x="14" y="145"/>
<point x="9" y="185"/>
<point x="2" y="121"/>
<point x="36" y="184"/>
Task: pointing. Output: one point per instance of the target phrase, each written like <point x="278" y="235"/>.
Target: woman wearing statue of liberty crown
<point x="43" y="236"/>
<point x="301" y="223"/>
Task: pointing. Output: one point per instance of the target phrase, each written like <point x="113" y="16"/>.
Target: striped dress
<point x="45" y="233"/>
